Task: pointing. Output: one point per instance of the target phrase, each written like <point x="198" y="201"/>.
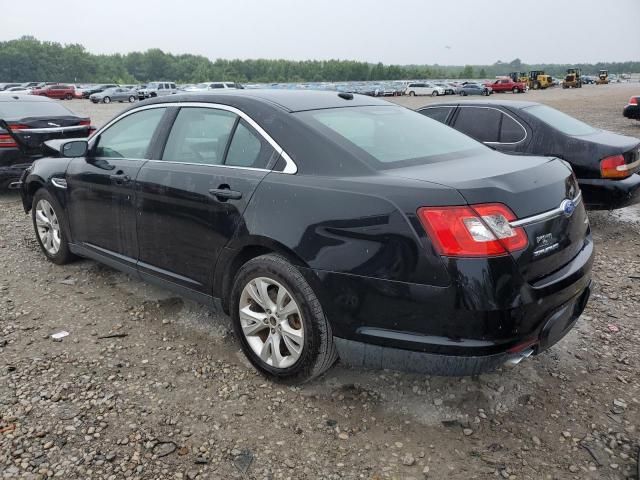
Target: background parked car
<point x="157" y="89"/>
<point x="423" y="88"/>
<point x="474" y="89"/>
<point x="448" y="89"/>
<point x="605" y="163"/>
<point x="86" y="93"/>
<point x="117" y="94"/>
<point x="632" y="109"/>
<point x="26" y="121"/>
<point x="60" y="91"/>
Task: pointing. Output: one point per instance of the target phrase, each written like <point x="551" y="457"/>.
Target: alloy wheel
<point x="48" y="227"/>
<point x="271" y="322"/>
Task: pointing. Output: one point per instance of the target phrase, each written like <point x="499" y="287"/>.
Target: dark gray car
<point x="117" y="94"/>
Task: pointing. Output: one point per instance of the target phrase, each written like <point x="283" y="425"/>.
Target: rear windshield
<point x="560" y="121"/>
<point x="391" y="136"/>
<point x="25" y="109"/>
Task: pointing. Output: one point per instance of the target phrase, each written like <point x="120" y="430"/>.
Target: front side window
<point x="390" y="136"/>
<point x="199" y="135"/>
<point x="248" y="148"/>
<point x="129" y="137"/>
<point x="483" y="124"/>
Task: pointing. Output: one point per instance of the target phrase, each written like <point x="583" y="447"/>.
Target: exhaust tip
<point x="518" y="357"/>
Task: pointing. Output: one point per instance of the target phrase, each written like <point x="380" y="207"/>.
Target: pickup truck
<point x="506" y="85"/>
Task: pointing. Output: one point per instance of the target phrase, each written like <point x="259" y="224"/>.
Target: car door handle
<point x="120" y="178"/>
<point x="223" y="194"/>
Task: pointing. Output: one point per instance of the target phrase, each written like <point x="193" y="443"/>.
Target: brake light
<point x="614" y="167"/>
<point x="633" y="101"/>
<point x="474" y="231"/>
<point x="6" y="140"/>
<point x="85" y="122"/>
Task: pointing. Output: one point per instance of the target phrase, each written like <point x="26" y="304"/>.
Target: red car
<point x="506" y="85"/>
<point x="60" y="91"/>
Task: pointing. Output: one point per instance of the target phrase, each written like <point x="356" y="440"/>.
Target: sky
<point x="393" y="32"/>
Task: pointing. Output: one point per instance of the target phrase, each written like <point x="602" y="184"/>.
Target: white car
<point x="423" y="88"/>
<point x="157" y="89"/>
<point x="206" y="86"/>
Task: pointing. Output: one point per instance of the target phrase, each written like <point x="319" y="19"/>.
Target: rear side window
<point x="248" y="149"/>
<point x="129" y="137"/>
<point x="482" y="124"/>
<point x="511" y="131"/>
<point x="437" y="113"/>
<point x="199" y="135"/>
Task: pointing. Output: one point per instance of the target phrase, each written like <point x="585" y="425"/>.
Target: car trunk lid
<point x="29" y="134"/>
<point x="541" y="192"/>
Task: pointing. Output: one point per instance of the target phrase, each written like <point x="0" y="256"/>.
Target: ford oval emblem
<point x="568" y="207"/>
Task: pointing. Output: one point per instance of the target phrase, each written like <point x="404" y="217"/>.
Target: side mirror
<point x="74" y="149"/>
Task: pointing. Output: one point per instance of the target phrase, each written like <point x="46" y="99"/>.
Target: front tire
<point x="279" y="321"/>
<point x="412" y="93"/>
<point x="132" y="99"/>
<point x="434" y="94"/>
<point x="106" y="100"/>
<point x="49" y="224"/>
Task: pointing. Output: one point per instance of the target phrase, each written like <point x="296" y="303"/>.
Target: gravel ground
<point x="168" y="395"/>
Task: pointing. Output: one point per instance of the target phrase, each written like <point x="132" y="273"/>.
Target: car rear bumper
<point x="482" y="319"/>
<point x="606" y="194"/>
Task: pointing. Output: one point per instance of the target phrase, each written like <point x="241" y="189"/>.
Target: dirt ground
<point x="172" y="396"/>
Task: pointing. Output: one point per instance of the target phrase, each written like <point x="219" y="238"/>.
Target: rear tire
<point x="276" y="302"/>
<point x="50" y="227"/>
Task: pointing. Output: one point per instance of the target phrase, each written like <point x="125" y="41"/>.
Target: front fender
<point x="39" y="175"/>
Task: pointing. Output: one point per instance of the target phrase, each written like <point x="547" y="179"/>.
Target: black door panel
<point x="101" y="203"/>
<point x="182" y="226"/>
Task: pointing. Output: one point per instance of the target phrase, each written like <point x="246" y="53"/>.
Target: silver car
<point x="116" y="94"/>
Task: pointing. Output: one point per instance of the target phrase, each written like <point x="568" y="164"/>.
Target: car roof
<point x="289" y="100"/>
<point x="514" y="104"/>
<point x="17" y="97"/>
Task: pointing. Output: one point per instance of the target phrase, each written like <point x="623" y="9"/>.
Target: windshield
<point x="389" y="135"/>
<point x="560" y="121"/>
<point x="26" y="109"/>
<point x="152" y="85"/>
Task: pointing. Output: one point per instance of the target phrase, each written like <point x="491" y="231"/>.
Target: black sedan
<point x="97" y="89"/>
<point x="605" y="163"/>
<point x="26" y="122"/>
<point x="326" y="223"/>
<point x="632" y="109"/>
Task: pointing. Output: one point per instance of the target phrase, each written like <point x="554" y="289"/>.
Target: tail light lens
<point x="85" y="122"/>
<point x="475" y="231"/>
<point x="614" y="167"/>
<point x="633" y="101"/>
<point x="6" y="140"/>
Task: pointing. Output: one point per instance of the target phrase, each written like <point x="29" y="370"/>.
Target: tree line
<point x="29" y="59"/>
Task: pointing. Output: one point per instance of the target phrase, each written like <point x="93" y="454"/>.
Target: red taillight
<point x="474" y="231"/>
<point x="6" y="140"/>
<point x="614" y="167"/>
<point x="633" y="101"/>
<point x="85" y="122"/>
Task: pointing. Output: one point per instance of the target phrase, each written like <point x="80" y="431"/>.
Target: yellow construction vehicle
<point x="573" y="79"/>
<point x="519" y="77"/>
<point x="603" y="77"/>
<point x="538" y="79"/>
